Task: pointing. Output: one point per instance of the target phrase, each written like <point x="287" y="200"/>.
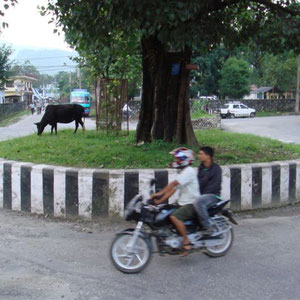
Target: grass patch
<point x="11" y="119"/>
<point x="197" y="111"/>
<point x="201" y="114"/>
<point x="95" y="149"/>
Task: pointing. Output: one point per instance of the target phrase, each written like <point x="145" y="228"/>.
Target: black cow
<point x="63" y="113"/>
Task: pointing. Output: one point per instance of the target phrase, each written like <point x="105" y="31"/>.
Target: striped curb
<point x="92" y="193"/>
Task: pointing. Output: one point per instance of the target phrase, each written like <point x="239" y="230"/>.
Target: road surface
<point x="283" y="128"/>
<point x="26" y="127"/>
<point x="49" y="259"/>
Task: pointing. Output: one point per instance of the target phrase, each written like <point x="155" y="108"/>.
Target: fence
<point x="8" y="109"/>
<point x="280" y="105"/>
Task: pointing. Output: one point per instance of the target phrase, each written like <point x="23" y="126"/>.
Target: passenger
<point x="210" y="178"/>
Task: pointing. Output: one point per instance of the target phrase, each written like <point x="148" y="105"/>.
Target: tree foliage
<point x="234" y="82"/>
<point x="267" y="69"/>
<point x="177" y="24"/>
<point x="206" y="79"/>
<point x="115" y="58"/>
<point x="3" y="7"/>
<point x="280" y="71"/>
<point x="24" y="69"/>
<point x="68" y="81"/>
<point x="168" y="30"/>
<point x="5" y="64"/>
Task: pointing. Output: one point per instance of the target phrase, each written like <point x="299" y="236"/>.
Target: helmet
<point x="182" y="157"/>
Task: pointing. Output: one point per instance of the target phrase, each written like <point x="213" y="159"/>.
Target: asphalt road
<point x="49" y="259"/>
<point x="283" y="128"/>
<point x="26" y="127"/>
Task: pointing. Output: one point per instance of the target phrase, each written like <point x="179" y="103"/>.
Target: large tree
<point x="234" y="82"/>
<point x="5" y="64"/>
<point x="168" y="30"/>
<point x="24" y="69"/>
<point x="280" y="71"/>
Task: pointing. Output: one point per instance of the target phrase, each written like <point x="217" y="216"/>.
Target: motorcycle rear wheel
<point x="221" y="250"/>
<point x="130" y="259"/>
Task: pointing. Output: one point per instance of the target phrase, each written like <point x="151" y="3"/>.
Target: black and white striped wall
<point x="65" y="192"/>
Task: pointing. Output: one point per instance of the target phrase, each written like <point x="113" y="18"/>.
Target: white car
<point x="235" y="110"/>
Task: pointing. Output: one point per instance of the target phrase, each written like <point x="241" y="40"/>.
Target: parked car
<point x="235" y="110"/>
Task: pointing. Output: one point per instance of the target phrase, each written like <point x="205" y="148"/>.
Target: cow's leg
<point x="76" y="126"/>
<point x="52" y="129"/>
<point x="55" y="128"/>
<point x="82" y="125"/>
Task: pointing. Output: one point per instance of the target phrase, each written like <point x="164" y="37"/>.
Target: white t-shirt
<point x="188" y="186"/>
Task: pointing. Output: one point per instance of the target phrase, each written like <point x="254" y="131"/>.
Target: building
<point x="269" y="92"/>
<point x="19" y="89"/>
<point x="2" y="97"/>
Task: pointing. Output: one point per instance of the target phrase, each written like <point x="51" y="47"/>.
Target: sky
<point x="27" y="28"/>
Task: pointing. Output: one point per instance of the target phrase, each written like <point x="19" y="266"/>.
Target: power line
<point x="55" y="68"/>
<point x="38" y="58"/>
<point x="58" y="69"/>
<point x="55" y="71"/>
<point x="63" y="66"/>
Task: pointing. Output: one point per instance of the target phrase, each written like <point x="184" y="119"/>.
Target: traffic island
<point x="90" y="193"/>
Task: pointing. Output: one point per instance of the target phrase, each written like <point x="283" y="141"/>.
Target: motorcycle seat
<point x="218" y="204"/>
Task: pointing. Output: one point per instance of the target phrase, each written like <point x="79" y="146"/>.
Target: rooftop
<point x="24" y="77"/>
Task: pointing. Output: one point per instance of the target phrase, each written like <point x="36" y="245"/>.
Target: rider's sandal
<point x="186" y="249"/>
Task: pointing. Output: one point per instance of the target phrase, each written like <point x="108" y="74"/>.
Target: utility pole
<point x="79" y="77"/>
<point x="70" y="82"/>
<point x="298" y="88"/>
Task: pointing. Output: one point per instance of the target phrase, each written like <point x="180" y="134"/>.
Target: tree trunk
<point x="298" y="88"/>
<point x="149" y="64"/>
<point x="184" y="129"/>
<point x="165" y="111"/>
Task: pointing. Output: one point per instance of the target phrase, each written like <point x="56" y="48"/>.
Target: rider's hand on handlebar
<point x="156" y="202"/>
<point x="156" y="198"/>
<point x="156" y="195"/>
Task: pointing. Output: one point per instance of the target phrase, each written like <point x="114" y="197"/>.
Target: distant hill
<point x="47" y="61"/>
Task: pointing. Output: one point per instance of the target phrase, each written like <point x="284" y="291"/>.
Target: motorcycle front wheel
<point x="221" y="250"/>
<point x="129" y="258"/>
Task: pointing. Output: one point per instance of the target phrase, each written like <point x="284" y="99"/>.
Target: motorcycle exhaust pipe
<point x="228" y="213"/>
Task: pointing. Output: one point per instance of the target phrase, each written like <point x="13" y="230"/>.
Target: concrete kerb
<point x="88" y="193"/>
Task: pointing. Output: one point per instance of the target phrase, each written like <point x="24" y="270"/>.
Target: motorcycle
<point x="132" y="248"/>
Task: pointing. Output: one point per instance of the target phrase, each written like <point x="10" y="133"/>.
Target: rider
<point x="188" y="186"/>
<point x="210" y="178"/>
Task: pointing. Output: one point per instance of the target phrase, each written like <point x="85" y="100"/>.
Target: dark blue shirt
<point x="210" y="179"/>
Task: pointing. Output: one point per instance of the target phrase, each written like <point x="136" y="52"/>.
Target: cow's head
<point x="40" y="128"/>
